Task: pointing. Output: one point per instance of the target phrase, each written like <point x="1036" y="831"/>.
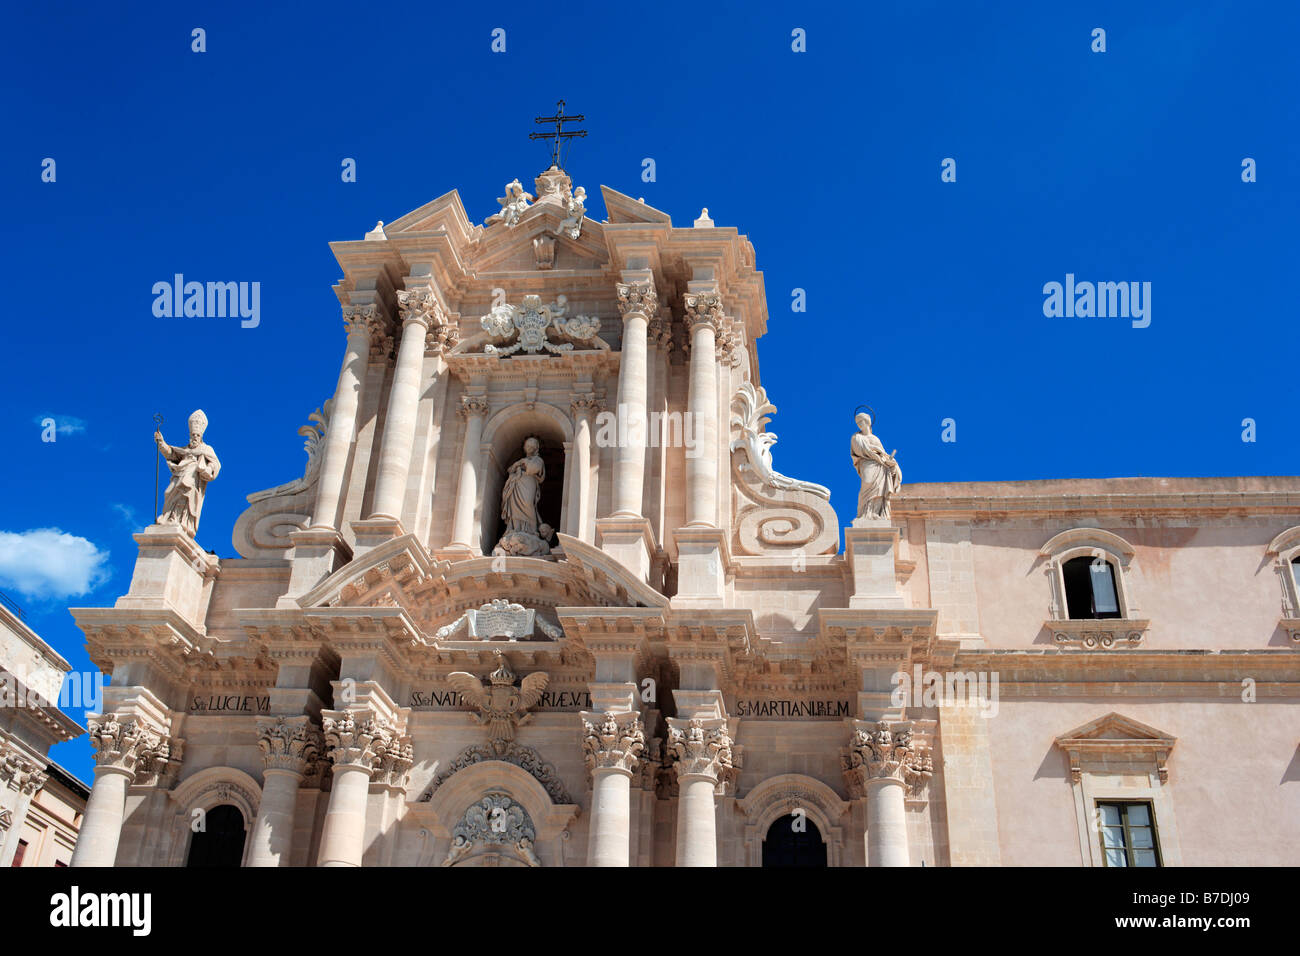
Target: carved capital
<point x="700" y="748"/>
<point x="421" y="306"/>
<point x="121" y="742"/>
<point x="471" y="405"/>
<point x="355" y="739"/>
<point x="368" y="319"/>
<point x="288" y="743"/>
<point x="637" y="298"/>
<point x="21" y="773"/>
<point x="612" y="741"/>
<point x="585" y="403"/>
<point x="703" y="309"/>
<point x="885" y="751"/>
<point x="393" y="762"/>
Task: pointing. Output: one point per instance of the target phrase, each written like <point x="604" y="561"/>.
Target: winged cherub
<point x="502" y="706"/>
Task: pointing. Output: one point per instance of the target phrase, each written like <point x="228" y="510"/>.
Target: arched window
<point x="794" y="840"/>
<point x="1090" y="591"/>
<point x="221" y="841"/>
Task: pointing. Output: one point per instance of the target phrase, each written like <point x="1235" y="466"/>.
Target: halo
<point x="870" y="411"/>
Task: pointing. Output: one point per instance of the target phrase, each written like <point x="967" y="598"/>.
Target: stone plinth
<point x="869" y="548"/>
<point x="630" y="541"/>
<point x="703" y="557"/>
<point x="173" y="572"/>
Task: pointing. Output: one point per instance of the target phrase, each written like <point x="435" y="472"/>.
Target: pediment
<point x="511" y="248"/>
<point x="1116" y="727"/>
<point x="446" y="213"/>
<point x="624" y="209"/>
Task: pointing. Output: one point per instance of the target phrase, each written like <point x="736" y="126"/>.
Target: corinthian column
<point x="703" y="318"/>
<point x="611" y="745"/>
<point x="637" y="301"/>
<point x="882" y="764"/>
<point x="354" y="745"/>
<point x="288" y="746"/>
<point x="700" y="751"/>
<point x="19" y="772"/>
<point x="474" y="410"/>
<point x="362" y="322"/>
<point x="121" y="744"/>
<point x="420" y="309"/>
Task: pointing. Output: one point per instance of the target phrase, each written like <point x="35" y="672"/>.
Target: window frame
<point x="1128" y="847"/>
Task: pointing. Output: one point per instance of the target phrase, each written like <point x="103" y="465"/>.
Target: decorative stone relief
<point x="192" y="467"/>
<point x="161" y="766"/>
<point x="393" y="762"/>
<point x="421" y="305"/>
<point x="496" y="820"/>
<point x="612" y="741"/>
<point x="21" y="773"/>
<point x="355" y="743"/>
<point x="530" y="324"/>
<point x="1098" y="635"/>
<point x="525" y="758"/>
<point x="502" y="706"/>
<point x="288" y="743"/>
<point x="700" y="748"/>
<point x="576" y="214"/>
<point x="637" y="297"/>
<point x="704" y="308"/>
<point x="499" y="619"/>
<point x="544" y="251"/>
<point x="775" y="514"/>
<point x="886" y="751"/>
<point x="120" y="741"/>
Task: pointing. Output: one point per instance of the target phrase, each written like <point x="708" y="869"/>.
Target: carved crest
<point x="530" y="325"/>
<point x="502" y="706"/>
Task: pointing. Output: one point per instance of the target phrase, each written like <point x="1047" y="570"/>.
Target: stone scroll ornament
<point x="501" y="705"/>
<point x="495" y="821"/>
<point x="530" y="325"/>
<point x="776" y="514"/>
<point x="879" y="473"/>
<point x="192" y="467"/>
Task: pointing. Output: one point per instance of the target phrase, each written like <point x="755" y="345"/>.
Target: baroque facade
<point x="540" y="597"/>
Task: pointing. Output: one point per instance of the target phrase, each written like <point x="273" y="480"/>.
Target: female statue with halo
<point x="879" y="472"/>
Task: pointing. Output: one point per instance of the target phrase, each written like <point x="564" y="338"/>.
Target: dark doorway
<point x="221" y="843"/>
<point x="794" y="841"/>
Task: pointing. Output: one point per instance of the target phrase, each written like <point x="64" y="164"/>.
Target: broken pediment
<point x="623" y="209"/>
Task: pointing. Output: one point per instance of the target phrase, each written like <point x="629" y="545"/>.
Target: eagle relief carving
<point x="502" y="706"/>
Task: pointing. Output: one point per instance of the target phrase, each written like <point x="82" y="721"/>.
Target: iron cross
<point x="560" y="134"/>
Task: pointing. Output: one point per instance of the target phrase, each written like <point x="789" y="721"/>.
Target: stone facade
<point x="634" y="642"/>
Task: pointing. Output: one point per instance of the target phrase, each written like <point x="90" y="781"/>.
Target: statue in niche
<point x="524" y="534"/>
<point x="192" y="467"/>
<point x="879" y="472"/>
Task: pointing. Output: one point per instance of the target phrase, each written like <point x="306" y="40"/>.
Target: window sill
<point x="1103" y="634"/>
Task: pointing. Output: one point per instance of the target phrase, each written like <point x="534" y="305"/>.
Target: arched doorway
<point x="794" y="840"/>
<point x="221" y="842"/>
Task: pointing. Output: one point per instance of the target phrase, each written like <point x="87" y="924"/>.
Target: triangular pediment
<point x="446" y="213"/>
<point x="620" y="209"/>
<point x="511" y="248"/>
<point x="1115" y="727"/>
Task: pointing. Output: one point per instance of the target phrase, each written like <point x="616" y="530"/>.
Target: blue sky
<point x="925" y="298"/>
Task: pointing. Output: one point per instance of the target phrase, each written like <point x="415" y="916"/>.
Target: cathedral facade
<point x="541" y="598"/>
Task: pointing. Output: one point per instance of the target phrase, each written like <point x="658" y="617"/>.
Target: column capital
<point x="585" y="403"/>
<point x="701" y="748"/>
<point x="356" y="738"/>
<point x="288" y="743"/>
<point x="703" y="309"/>
<point x="637" y="298"/>
<point x="612" y="741"/>
<point x="885" y="751"/>
<point x="472" y="406"/>
<point x="122" y="742"/>
<point x="420" y="306"/>
<point x="367" y="318"/>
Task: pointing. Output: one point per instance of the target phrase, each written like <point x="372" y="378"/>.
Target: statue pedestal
<point x="703" y="557"/>
<point x="373" y="532"/>
<point x="870" y="546"/>
<point x="172" y="572"/>
<point x="630" y="541"/>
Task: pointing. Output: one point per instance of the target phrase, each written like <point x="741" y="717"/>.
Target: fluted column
<point x="121" y="744"/>
<point x="703" y="318"/>
<point x="355" y="744"/>
<point x="637" y="301"/>
<point x="612" y="745"/>
<point x="474" y="410"/>
<point x="580" y="494"/>
<point x="700" y="751"/>
<point x="883" y="764"/>
<point x="363" y="322"/>
<point x="288" y="746"/>
<point x="420" y="309"/>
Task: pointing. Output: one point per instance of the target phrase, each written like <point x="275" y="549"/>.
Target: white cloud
<point x="63" y="424"/>
<point x="50" y="563"/>
<point x="126" y="513"/>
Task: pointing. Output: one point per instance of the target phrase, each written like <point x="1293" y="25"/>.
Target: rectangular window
<point x="1128" y="834"/>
